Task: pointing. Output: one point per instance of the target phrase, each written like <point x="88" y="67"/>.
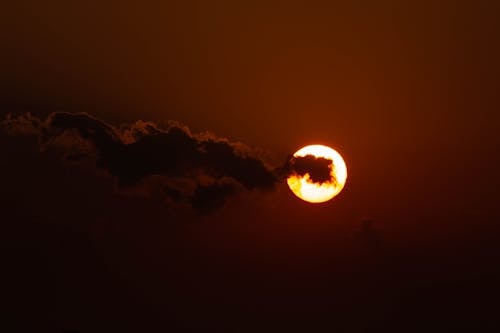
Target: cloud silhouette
<point x="318" y="168"/>
<point x="204" y="169"/>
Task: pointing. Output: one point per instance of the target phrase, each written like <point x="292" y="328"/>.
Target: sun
<point x="306" y="186"/>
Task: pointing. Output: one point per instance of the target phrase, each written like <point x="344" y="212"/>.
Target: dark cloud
<point x="318" y="168"/>
<point x="201" y="170"/>
<point x="206" y="198"/>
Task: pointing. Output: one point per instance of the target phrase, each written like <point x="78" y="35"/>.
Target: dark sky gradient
<point x="406" y="91"/>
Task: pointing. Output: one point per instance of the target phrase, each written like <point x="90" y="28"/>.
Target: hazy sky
<point x="406" y="91"/>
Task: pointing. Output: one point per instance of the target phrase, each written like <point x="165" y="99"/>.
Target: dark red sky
<point x="407" y="91"/>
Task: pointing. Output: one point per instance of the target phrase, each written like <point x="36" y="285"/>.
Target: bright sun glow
<point x="305" y="189"/>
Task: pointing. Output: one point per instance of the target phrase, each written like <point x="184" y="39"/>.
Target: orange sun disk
<point x="304" y="188"/>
